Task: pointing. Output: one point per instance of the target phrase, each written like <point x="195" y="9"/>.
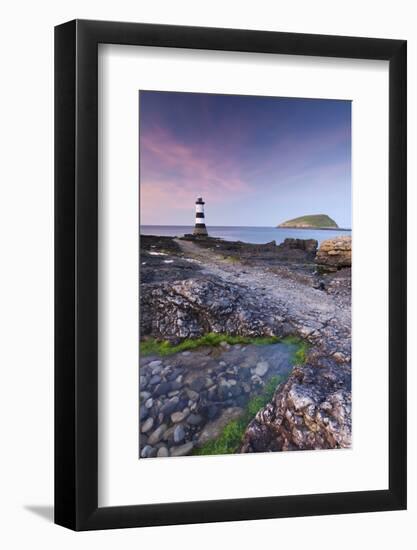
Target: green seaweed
<point x="151" y="346"/>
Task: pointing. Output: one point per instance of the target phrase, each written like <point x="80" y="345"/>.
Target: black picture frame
<point x="76" y="272"/>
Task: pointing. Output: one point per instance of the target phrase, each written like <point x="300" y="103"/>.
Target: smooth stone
<point x="182" y="450"/>
<point x="147" y="425"/>
<point x="194" y="419"/>
<point x="155" y="380"/>
<point x="178" y="417"/>
<point x="162" y="452"/>
<point x="193" y="395"/>
<point x="148" y="452"/>
<point x="157" y="370"/>
<point x="144" y="395"/>
<point x="170" y="406"/>
<point x="198" y="383"/>
<point x="168" y="434"/>
<point x="153" y="364"/>
<point x="156" y="436"/>
<point x="163" y="388"/>
<point x="149" y="403"/>
<point x="186" y="353"/>
<point x="261" y="368"/>
<point x="143" y="412"/>
<point x="212" y="412"/>
<point x="179" y="433"/>
<point x="222" y="364"/>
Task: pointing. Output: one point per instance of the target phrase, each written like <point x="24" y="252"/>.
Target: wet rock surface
<point x="233" y="288"/>
<point x="202" y="390"/>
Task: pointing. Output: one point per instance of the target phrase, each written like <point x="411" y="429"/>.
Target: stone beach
<point x="191" y="287"/>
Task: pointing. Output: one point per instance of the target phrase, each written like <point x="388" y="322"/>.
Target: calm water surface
<point x="256" y="235"/>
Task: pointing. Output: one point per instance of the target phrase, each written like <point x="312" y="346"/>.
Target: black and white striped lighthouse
<point x="200" y="224"/>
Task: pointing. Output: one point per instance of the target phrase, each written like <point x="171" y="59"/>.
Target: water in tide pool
<point x="256" y="235"/>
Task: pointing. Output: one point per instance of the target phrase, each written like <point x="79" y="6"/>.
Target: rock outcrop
<point x="335" y="253"/>
<point x="312" y="410"/>
<point x="193" y="307"/>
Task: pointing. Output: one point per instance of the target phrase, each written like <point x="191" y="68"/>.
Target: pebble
<point x="179" y="433"/>
<point x="170" y="406"/>
<point x="162" y="452"/>
<point x="194" y="419"/>
<point x="193" y="395"/>
<point x="177" y="417"/>
<point x="149" y="403"/>
<point x="144" y="395"/>
<point x="162" y="389"/>
<point x="155" y="380"/>
<point x="186" y="353"/>
<point x="147" y="425"/>
<point x="148" y="452"/>
<point x="212" y="412"/>
<point x="261" y="368"/>
<point x="143" y="412"/>
<point x="198" y="383"/>
<point x="153" y="364"/>
<point x="182" y="450"/>
<point x="156" y="436"/>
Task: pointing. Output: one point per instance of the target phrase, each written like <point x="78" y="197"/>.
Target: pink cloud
<point x="172" y="169"/>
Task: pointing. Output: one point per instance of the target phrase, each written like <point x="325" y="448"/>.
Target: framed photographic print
<point x="230" y="275"/>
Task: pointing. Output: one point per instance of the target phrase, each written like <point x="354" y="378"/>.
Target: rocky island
<point x="244" y="347"/>
<point x="315" y="221"/>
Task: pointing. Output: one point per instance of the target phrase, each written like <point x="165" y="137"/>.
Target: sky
<point x="256" y="161"/>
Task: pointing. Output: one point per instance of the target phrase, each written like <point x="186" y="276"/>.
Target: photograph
<point x="245" y="274"/>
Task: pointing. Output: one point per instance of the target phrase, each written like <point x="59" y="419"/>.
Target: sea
<point x="255" y="235"/>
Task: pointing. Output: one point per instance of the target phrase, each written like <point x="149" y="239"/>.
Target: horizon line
<point x="251" y="226"/>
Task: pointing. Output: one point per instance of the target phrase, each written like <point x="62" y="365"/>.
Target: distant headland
<point x="314" y="221"/>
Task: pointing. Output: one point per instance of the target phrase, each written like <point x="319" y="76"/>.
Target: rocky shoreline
<point x="191" y="287"/>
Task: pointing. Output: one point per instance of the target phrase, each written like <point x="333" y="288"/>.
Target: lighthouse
<point x="200" y="224"/>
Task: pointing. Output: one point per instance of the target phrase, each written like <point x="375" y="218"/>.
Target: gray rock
<point x="162" y="452"/>
<point x="179" y="433"/>
<point x="149" y="403"/>
<point x="155" y="380"/>
<point x="154" y="364"/>
<point x="162" y="389"/>
<point x="193" y="395"/>
<point x="144" y="395"/>
<point x="143" y="412"/>
<point x="261" y="368"/>
<point x="198" y="383"/>
<point x="148" y="452"/>
<point x="177" y="417"/>
<point x="156" y="435"/>
<point x="182" y="450"/>
<point x="194" y="419"/>
<point x="147" y="425"/>
<point x="170" y="406"/>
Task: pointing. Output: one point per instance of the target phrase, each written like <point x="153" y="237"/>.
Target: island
<point x="315" y="221"/>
